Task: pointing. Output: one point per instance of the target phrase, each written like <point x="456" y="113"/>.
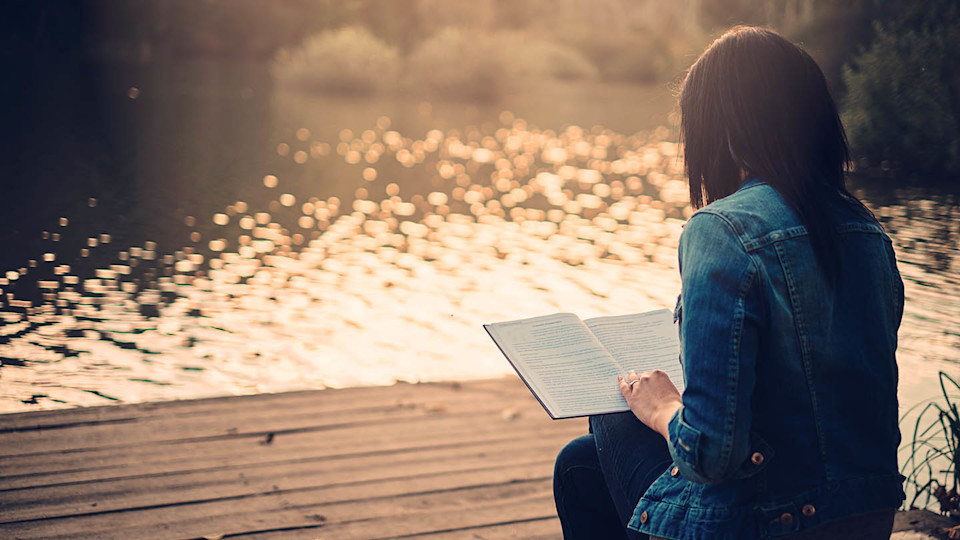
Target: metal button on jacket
<point x="644" y="517"/>
<point x="674" y="471"/>
<point x="808" y="510"/>
<point x="786" y="519"/>
<point x="756" y="458"/>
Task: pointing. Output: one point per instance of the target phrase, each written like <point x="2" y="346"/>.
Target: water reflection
<point x="926" y="230"/>
<point x="375" y="255"/>
<point x="514" y="221"/>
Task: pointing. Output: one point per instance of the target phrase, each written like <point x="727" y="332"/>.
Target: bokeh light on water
<point x="379" y="277"/>
<point x="393" y="284"/>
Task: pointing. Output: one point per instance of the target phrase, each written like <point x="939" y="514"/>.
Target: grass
<point x="933" y="462"/>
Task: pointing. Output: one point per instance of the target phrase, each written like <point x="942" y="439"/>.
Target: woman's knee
<point x="580" y="452"/>
<point x="614" y="423"/>
<point x="576" y="473"/>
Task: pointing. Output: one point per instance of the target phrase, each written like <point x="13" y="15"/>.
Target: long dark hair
<point x="757" y="103"/>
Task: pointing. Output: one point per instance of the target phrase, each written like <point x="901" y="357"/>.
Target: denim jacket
<point x="789" y="416"/>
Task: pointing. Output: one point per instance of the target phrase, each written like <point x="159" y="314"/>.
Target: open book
<point x="571" y="366"/>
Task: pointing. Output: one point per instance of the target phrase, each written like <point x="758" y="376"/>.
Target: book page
<point x="642" y="341"/>
<point x="562" y="363"/>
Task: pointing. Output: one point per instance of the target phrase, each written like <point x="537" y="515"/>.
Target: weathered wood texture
<point x="443" y="461"/>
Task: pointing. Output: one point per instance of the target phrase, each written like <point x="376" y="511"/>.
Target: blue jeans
<point x="599" y="478"/>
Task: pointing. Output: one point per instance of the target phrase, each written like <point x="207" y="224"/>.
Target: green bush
<point x="635" y="57"/>
<point x="457" y="63"/>
<point x="903" y="92"/>
<point x="469" y="64"/>
<point x="528" y="57"/>
<point x="348" y="60"/>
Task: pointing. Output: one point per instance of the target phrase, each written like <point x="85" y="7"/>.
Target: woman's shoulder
<point x="753" y="211"/>
<point x="758" y="215"/>
<point x="754" y="197"/>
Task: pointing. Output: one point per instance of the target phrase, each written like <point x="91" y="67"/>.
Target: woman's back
<point x="788" y="318"/>
<point x="790" y="416"/>
<point x="823" y="409"/>
<point x="826" y="388"/>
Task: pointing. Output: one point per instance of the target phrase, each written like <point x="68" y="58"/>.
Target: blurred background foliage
<point x="903" y="90"/>
<point x="891" y="63"/>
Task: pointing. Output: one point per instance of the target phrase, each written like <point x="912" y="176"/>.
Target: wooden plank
<point x="460" y="516"/>
<point x="278" y="509"/>
<point x="426" y="512"/>
<point x="438" y="460"/>
<point x="527" y="528"/>
<point x="523" y="409"/>
<point x="207" y="406"/>
<point x="102" y="435"/>
<point x="305" y="449"/>
<point x="113" y="495"/>
<point x="531" y="529"/>
<point x="51" y="419"/>
<point x="518" y="411"/>
<point x="297" y="448"/>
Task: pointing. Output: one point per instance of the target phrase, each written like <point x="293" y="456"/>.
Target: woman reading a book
<point x="788" y="318"/>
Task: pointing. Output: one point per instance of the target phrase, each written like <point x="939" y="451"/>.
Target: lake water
<point x="187" y="231"/>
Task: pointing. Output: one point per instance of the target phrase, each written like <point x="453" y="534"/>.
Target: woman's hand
<point x="652" y="398"/>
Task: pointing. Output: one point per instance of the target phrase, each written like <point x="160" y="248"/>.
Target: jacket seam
<point x="734" y="226"/>
<point x="756" y="244"/>
<point x="821" y="490"/>
<point x="735" y="379"/>
<point x="804" y="355"/>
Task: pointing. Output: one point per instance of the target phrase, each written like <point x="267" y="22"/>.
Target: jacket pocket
<point x="757" y="459"/>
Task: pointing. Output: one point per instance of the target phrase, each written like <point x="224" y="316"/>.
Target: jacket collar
<point x="751" y="181"/>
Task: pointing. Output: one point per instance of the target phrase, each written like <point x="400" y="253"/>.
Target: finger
<point x="624" y="387"/>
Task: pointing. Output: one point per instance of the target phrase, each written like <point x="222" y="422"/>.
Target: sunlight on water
<point x="310" y="291"/>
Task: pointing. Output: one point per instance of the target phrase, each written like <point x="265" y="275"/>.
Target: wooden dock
<point x="439" y="461"/>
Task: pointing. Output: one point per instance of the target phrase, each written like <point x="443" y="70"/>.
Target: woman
<point x="788" y="321"/>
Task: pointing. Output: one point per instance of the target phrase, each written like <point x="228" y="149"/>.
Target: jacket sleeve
<point x="720" y="319"/>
